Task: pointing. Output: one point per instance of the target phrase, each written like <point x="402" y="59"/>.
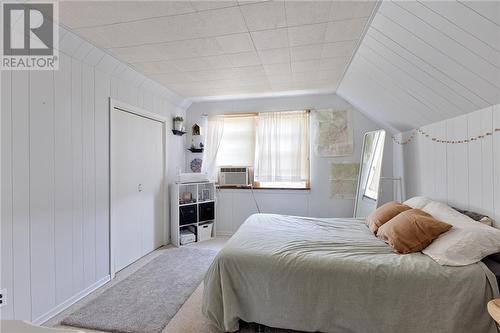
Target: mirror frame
<point x="356" y="199"/>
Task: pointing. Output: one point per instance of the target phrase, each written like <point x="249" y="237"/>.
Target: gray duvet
<point x="334" y="275"/>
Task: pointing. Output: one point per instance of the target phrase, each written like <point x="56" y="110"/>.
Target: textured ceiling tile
<point x="193" y="64"/>
<point x="77" y="14"/>
<point x="264" y="15"/>
<point x="342" y="10"/>
<point x="277" y="69"/>
<point x="218" y="62"/>
<point x="248" y="71"/>
<point x="157" y="67"/>
<point x="155" y="52"/>
<point x="307" y="34"/>
<point x="282" y="78"/>
<point x="235" y="43"/>
<point x="210" y="75"/>
<point x="345" y="30"/>
<point x="225" y="47"/>
<point x="339" y="49"/>
<point x="306" y="12"/>
<point x="274" y="56"/>
<point x="171" y="50"/>
<point x="221" y="21"/>
<point x="173" y="78"/>
<point x="207" y="5"/>
<point x="270" y="39"/>
<point x="338" y="63"/>
<point x="306" y="52"/>
<point x="245" y="59"/>
<point x="305" y="66"/>
<point x="282" y="86"/>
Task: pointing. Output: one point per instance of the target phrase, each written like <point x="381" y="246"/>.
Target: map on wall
<point x="343" y="180"/>
<point x="334" y="135"/>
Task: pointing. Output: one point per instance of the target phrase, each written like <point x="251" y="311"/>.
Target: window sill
<point x="264" y="188"/>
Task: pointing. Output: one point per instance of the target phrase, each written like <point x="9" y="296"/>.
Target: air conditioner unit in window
<point x="233" y="176"/>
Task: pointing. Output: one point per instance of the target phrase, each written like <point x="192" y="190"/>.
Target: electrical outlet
<point x="3" y="297"/>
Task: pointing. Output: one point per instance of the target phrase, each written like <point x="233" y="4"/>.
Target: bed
<point x="334" y="275"/>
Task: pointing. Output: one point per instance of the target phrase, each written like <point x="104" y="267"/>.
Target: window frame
<point x="256" y="184"/>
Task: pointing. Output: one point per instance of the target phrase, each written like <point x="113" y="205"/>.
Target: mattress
<point x="493" y="264"/>
<point x="334" y="275"/>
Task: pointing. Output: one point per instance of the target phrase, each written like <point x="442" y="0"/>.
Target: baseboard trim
<point x="70" y="301"/>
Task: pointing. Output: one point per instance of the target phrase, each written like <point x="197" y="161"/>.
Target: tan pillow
<point x="411" y="231"/>
<point x="384" y="213"/>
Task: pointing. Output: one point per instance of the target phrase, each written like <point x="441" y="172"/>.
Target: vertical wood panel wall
<point x="464" y="175"/>
<point x="55" y="174"/>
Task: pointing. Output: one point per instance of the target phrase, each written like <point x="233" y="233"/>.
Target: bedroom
<point x="271" y="166"/>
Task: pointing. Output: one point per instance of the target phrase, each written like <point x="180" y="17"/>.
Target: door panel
<point x="136" y="186"/>
<point x="152" y="189"/>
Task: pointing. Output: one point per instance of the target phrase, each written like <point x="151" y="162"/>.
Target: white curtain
<point x="282" y="147"/>
<point x="215" y="130"/>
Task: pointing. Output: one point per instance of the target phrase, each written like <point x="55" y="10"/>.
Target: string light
<point x="453" y="142"/>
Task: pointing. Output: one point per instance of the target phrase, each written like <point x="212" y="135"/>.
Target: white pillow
<point x="466" y="243"/>
<point x="417" y="202"/>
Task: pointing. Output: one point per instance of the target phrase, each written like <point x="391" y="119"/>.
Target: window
<point x="237" y="145"/>
<point x="275" y="144"/>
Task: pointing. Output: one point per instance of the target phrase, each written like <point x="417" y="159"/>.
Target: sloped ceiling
<point x="425" y="61"/>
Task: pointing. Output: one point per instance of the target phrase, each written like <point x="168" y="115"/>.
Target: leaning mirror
<point x="367" y="194"/>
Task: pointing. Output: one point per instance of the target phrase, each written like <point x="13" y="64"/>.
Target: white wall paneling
<point x="6" y="233"/>
<point x="425" y="61"/>
<point x="234" y="206"/>
<point x="88" y="148"/>
<point x="21" y="245"/>
<point x="63" y="182"/>
<point x="496" y="163"/>
<point x="464" y="175"/>
<point x="41" y="191"/>
<point x="55" y="174"/>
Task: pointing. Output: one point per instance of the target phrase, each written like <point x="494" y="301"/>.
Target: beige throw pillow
<point x="411" y="231"/>
<point x="384" y="213"/>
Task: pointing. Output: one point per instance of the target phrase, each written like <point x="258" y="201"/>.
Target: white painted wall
<point x="55" y="160"/>
<point x="234" y="206"/>
<point x="464" y="175"/>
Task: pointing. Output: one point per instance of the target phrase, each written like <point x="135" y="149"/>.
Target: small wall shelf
<point x="179" y="133"/>
<point x="196" y="150"/>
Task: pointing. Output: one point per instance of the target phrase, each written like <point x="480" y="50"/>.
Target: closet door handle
<point x="139" y="188"/>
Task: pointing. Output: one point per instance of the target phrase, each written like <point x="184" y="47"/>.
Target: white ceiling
<point x="422" y="62"/>
<point x="210" y="48"/>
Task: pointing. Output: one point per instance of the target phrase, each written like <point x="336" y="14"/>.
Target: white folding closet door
<point x="136" y="186"/>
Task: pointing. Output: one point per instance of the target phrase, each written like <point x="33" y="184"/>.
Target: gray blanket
<point x="334" y="275"/>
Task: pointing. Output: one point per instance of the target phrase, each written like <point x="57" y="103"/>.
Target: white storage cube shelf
<point x="193" y="209"/>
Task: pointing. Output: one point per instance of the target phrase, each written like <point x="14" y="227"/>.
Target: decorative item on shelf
<point x="186" y="197"/>
<point x="196" y="139"/>
<point x="205" y="194"/>
<point x="193" y="148"/>
<point x="195" y="130"/>
<point x="178" y="126"/>
<point x="196" y="165"/>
